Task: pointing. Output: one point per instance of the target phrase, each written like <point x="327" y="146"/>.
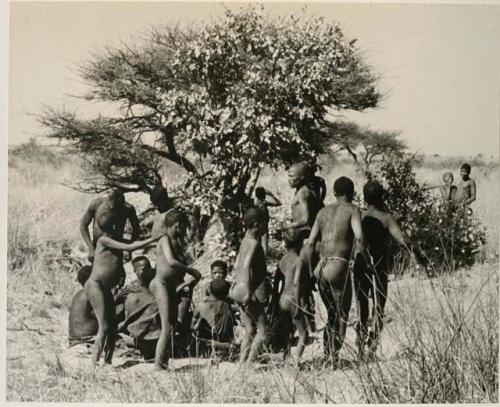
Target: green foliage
<point x="222" y="102"/>
<point x="443" y="235"/>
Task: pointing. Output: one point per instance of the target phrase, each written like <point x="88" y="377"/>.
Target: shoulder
<point x="96" y="203"/>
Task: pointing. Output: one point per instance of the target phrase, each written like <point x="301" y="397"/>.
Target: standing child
<point x="293" y="298"/>
<point x="107" y="272"/>
<point x="170" y="273"/>
<point x="466" y="189"/>
<point x="263" y="203"/>
<point x="250" y="288"/>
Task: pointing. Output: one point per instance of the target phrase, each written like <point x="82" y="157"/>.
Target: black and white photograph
<point x="248" y="202"/>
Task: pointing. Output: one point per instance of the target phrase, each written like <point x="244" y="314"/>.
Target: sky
<point x="439" y="65"/>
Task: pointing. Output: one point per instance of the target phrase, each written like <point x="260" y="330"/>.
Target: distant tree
<point x="222" y="102"/>
<point x="362" y="144"/>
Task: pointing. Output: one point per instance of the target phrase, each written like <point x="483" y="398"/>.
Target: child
<point x="262" y="203"/>
<point x="170" y="273"/>
<point x="107" y="272"/>
<point x="82" y="321"/>
<point x="466" y="190"/>
<point x="218" y="269"/>
<point x="213" y="320"/>
<point x="447" y="189"/>
<point x="293" y="272"/>
<point x="250" y="288"/>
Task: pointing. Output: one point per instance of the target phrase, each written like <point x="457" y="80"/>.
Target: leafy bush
<point x="442" y="235"/>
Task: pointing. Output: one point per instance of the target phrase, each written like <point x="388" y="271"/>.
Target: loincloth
<point x="323" y="261"/>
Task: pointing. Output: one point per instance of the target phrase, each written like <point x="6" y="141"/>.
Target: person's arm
<point x="114" y="244"/>
<point x="278" y="277"/>
<point x="169" y="256"/>
<point x="396" y="232"/>
<point x="323" y="188"/>
<point x="195" y="323"/>
<point x="299" y="269"/>
<point x="87" y="218"/>
<point x="246" y="268"/>
<point x="315" y="231"/>
<point x="358" y="236"/>
<point x="472" y="197"/>
<point x="134" y="223"/>
<point x="275" y="201"/>
<point x="304" y="212"/>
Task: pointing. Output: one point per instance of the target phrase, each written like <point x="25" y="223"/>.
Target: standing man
<point x="466" y="189"/>
<point x="110" y="210"/>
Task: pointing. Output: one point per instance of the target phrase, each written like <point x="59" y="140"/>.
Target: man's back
<point x="82" y="321"/>
<point x="337" y="236"/>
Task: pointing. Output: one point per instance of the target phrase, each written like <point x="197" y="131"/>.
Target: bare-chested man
<point x="338" y="226"/>
<point x="111" y="210"/>
<point x="170" y="273"/>
<point x="107" y="273"/>
<point x="466" y="189"/>
<point x="304" y="205"/>
<point x="250" y="289"/>
<point x="378" y="228"/>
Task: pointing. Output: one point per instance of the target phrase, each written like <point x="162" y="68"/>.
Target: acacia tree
<point x="223" y="102"/>
<point x="363" y="145"/>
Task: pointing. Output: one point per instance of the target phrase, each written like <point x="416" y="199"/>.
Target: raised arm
<point x="274" y="201"/>
<point x="472" y="197"/>
<point x="106" y="241"/>
<point x="87" y="218"/>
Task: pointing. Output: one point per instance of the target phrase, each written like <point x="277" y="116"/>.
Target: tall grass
<point x="441" y="345"/>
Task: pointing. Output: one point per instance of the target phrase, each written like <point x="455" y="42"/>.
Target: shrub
<point x="441" y="235"/>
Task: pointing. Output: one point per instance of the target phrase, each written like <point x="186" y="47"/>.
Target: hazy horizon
<point x="439" y="64"/>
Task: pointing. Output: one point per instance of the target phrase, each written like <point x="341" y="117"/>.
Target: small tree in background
<point x="222" y="103"/>
<point x="362" y="144"/>
<point x="443" y="237"/>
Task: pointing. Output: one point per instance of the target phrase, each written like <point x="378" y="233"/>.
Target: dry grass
<point x="450" y="324"/>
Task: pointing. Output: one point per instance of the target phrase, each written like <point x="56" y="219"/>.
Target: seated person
<point x="218" y="269"/>
<point x="213" y="320"/>
<point x="82" y="320"/>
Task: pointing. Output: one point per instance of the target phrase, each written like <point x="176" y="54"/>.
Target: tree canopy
<point x="222" y="102"/>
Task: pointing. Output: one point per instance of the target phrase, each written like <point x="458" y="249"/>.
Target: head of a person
<point x="448" y="178"/>
<point x="344" y="187"/>
<point x="218" y="269"/>
<point x="159" y="198"/>
<point x="84" y="274"/>
<point x="465" y="170"/>
<point x="143" y="270"/>
<point x="373" y="193"/>
<point x="260" y="193"/>
<point x="297" y="174"/>
<point x="176" y="223"/>
<point x="116" y="198"/>
<point x="253" y="219"/>
<point x="290" y="238"/>
<point x="219" y="288"/>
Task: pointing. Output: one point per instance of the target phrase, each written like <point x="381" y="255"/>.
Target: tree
<point x="362" y="143"/>
<point x="223" y="102"/>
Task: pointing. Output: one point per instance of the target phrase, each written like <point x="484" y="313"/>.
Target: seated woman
<point x="213" y="321"/>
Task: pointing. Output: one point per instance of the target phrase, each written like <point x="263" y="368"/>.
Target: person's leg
<point x="161" y="294"/>
<point x="259" y="315"/>
<point x="109" y="344"/>
<point x="328" y="331"/>
<point x="381" y="282"/>
<point x="362" y="290"/>
<point x="265" y="242"/>
<point x="246" y="341"/>
<point x="96" y="297"/>
<point x="300" y="324"/>
<point x="343" y="297"/>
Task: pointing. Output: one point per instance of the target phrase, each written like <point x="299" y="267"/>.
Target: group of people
<point x="335" y="249"/>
